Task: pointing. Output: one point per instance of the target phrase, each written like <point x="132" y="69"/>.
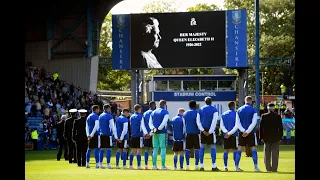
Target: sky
<point x="135" y="6"/>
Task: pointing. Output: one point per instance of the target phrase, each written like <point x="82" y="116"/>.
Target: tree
<point x="158" y="6"/>
<point x="109" y="79"/>
<point x="277" y="25"/>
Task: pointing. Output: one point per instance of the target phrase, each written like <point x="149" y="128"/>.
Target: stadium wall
<point x="82" y="72"/>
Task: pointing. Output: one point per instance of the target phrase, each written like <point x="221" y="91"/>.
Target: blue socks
<point x="238" y="157"/>
<point x="225" y="159"/>
<point x="117" y="158"/>
<point x="101" y="155"/>
<point x="175" y="160"/>
<point x="181" y="161"/>
<point x="108" y="154"/>
<point x="201" y="155"/>
<point x="154" y="156"/>
<point x="255" y="158"/>
<point x="124" y="158"/>
<point x="146" y="157"/>
<point x="131" y="158"/>
<point x="96" y="155"/>
<point x="187" y="156"/>
<point x="213" y="155"/>
<point x="196" y="156"/>
<point x="234" y="157"/>
<point x="88" y="155"/>
<point x="163" y="156"/>
<point x="139" y="159"/>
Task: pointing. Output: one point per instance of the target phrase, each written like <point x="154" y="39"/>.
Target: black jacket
<point x="79" y="129"/>
<point x="60" y="129"/>
<point x="68" y="128"/>
<point x="271" y="129"/>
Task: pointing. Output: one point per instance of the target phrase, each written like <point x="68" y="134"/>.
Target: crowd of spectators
<point x="49" y="97"/>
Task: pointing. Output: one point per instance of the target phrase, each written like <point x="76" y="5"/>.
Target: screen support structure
<point x="137" y="85"/>
<point x="133" y="89"/>
<point x="241" y="72"/>
<point x="257" y="59"/>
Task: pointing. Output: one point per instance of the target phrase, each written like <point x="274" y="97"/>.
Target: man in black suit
<point x="68" y="136"/>
<point x="62" y="142"/>
<point x="271" y="132"/>
<point x="80" y="137"/>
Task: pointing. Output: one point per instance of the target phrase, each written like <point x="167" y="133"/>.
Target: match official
<point x="79" y="136"/>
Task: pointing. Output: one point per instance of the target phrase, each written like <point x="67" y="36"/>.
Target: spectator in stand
<point x="27" y="133"/>
<point x="28" y="109"/>
<point x="26" y="117"/>
<point x="33" y="110"/>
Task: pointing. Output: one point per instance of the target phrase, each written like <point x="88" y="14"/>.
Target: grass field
<point x="42" y="165"/>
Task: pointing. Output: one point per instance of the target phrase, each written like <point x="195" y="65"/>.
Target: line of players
<point x="192" y="129"/>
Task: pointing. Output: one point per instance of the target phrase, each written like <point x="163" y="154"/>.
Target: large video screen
<point x="178" y="40"/>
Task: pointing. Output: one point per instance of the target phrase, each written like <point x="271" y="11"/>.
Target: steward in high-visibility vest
<point x="55" y="76"/>
<point x="284" y="133"/>
<point x="34" y="134"/>
<point x="292" y="132"/>
<point x="34" y="137"/>
<point x="261" y="107"/>
<point x="283" y="89"/>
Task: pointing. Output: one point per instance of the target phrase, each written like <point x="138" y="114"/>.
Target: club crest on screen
<point x="193" y="22"/>
<point x="121" y="21"/>
<point x="236" y="17"/>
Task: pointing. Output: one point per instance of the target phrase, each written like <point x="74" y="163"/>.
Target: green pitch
<point x="41" y="165"/>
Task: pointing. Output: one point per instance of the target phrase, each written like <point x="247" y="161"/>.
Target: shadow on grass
<point x="52" y="154"/>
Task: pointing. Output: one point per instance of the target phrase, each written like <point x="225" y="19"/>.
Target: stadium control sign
<point x="180" y="40"/>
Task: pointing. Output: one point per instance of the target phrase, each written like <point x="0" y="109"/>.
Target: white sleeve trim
<point x="150" y="123"/>
<point x="87" y="129"/>
<point x="124" y="131"/>
<point x="199" y="123"/>
<point x="235" y="128"/>
<point x="115" y="131"/>
<point x="96" y="127"/>
<point x="239" y="124"/>
<point x="164" y="122"/>
<point x="143" y="127"/>
<point x="253" y="123"/>
<point x="213" y="123"/>
<point x="223" y="128"/>
<point x="112" y="126"/>
<point x="184" y="126"/>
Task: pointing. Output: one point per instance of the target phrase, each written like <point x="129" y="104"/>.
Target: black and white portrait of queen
<point x="150" y="40"/>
